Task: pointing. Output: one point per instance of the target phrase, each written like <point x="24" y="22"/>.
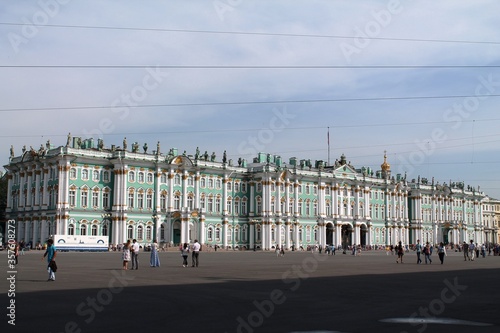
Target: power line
<point x="254" y="33"/>
<point x="251" y="66"/>
<point x="362" y="99"/>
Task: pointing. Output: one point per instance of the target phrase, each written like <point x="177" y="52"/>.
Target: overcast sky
<point x="244" y="109"/>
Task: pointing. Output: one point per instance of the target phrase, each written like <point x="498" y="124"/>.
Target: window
<point x="315" y="208"/>
<point x="328" y="209"/>
<point x="150" y="177"/>
<point x="308" y="208"/>
<point x="140" y="232"/>
<point x="163" y="200"/>
<point x="244" y="187"/>
<point x="85" y="174"/>
<point x="236" y="187"/>
<point x="140" y="177"/>
<point x="259" y="187"/>
<point x="308" y="189"/>
<point x="177" y="180"/>
<point x="229" y="186"/>
<point x="130" y="232"/>
<point x="131" y="176"/>
<point x="203" y="202"/>
<point x="190" y="181"/>
<point x="218" y="205"/>
<point x="105" y="176"/>
<point x="72" y="173"/>
<point x="300" y="207"/>
<point x="84" y="198"/>
<point x="83" y="230"/>
<point x="190" y="201"/>
<point x="162" y="232"/>
<point x="140" y="200"/>
<point x="131" y="199"/>
<point x="203" y="182"/>
<point x="210" y="234"/>
<point x="149" y="233"/>
<point x="210" y="207"/>
<point x="163" y="178"/>
<point x="105" y="200"/>
<point x="259" y="207"/>
<point x="71" y="229"/>
<point x="105" y="229"/>
<point x="217" y="233"/>
<point x="95" y="175"/>
<point x="94" y="230"/>
<point x="229" y="205"/>
<point x="149" y="200"/>
<point x="237" y="206"/>
<point x="244" y="207"/>
<point x="210" y="183"/>
<point x="218" y="183"/>
<point x="177" y="201"/>
<point x="95" y="199"/>
<point x="72" y="197"/>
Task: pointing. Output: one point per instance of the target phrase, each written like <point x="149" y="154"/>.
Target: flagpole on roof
<point x="328" y="139"/>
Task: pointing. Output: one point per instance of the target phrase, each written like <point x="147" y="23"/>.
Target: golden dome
<point x="385" y="166"/>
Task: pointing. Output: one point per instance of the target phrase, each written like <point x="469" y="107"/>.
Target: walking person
<point x="427" y="253"/>
<point x="51" y="254"/>
<point x="400" y="251"/>
<point x="185" y="254"/>
<point x="465" y="248"/>
<point x="134" y="251"/>
<point x="126" y="254"/>
<point x="418" y="249"/>
<point x="472" y="250"/>
<point x="441" y="252"/>
<point x="154" y="260"/>
<point x="196" y="253"/>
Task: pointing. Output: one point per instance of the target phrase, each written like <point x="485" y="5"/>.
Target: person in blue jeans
<point x="428" y="252"/>
<point x="418" y="249"/>
<point x="51" y="254"/>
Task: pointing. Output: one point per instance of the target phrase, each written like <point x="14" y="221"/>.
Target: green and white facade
<point x="87" y="189"/>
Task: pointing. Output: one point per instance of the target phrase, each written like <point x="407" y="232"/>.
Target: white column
<point x="202" y="229"/>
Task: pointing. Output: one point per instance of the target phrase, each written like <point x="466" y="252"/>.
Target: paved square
<point x="256" y="292"/>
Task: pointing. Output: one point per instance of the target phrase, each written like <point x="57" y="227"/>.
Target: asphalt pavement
<point x="252" y="292"/>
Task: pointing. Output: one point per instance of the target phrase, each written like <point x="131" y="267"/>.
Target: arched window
<point x="177" y="179"/>
<point x="95" y="175"/>
<point x="72" y="173"/>
<point x="149" y="233"/>
<point x="85" y="174"/>
<point x="140" y="177"/>
<point x="105" y="229"/>
<point x="130" y="232"/>
<point x="163" y="178"/>
<point x="94" y="230"/>
<point x="83" y="230"/>
<point x="177" y="201"/>
<point x="140" y="232"/>
<point x="131" y="176"/>
<point x="210" y="234"/>
<point x="203" y="182"/>
<point x="150" y="177"/>
<point x="71" y="229"/>
<point x="162" y="232"/>
<point x="217" y="234"/>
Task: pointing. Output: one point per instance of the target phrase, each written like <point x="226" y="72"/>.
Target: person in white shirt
<point x="196" y="253"/>
<point x="472" y="250"/>
<point x="135" y="254"/>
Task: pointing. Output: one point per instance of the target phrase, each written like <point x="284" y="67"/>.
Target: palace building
<point x="83" y="188"/>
